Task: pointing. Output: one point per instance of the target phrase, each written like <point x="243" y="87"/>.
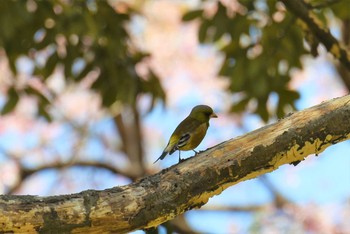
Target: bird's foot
<point x="181" y="160"/>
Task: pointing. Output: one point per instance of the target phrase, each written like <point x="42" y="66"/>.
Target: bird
<point x="190" y="132"/>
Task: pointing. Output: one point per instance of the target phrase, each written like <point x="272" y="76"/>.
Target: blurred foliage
<point x="78" y="36"/>
<point x="263" y="44"/>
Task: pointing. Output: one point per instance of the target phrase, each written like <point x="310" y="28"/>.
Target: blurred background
<point x="90" y="92"/>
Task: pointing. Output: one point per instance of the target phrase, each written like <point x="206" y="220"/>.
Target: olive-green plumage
<point x="190" y="132"/>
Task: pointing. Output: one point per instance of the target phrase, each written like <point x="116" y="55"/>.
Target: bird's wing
<point x="182" y="142"/>
<point x="182" y="134"/>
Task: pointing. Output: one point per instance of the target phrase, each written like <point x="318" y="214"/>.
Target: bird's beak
<point x="213" y="115"/>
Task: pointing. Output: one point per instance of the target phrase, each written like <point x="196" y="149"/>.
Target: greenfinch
<point x="190" y="132"/>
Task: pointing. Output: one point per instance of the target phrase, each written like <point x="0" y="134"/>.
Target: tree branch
<point x="161" y="197"/>
<point x="279" y="199"/>
<point x="129" y="128"/>
<point x="326" y="3"/>
<point x="343" y="72"/>
<point x="61" y="165"/>
<point x="26" y="172"/>
<point x="230" y="208"/>
<point x="301" y="10"/>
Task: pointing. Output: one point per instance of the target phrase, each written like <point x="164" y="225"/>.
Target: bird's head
<point x="203" y="113"/>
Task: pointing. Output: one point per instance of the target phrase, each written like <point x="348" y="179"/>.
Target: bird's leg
<point x="180" y="157"/>
<point x="195" y="152"/>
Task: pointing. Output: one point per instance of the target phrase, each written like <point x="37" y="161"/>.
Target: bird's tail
<point x="161" y="156"/>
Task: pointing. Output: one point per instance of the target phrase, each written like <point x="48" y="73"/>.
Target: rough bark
<point x="161" y="197"/>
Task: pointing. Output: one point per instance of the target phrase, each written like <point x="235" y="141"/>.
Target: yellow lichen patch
<point x="296" y="153"/>
<point x="161" y="219"/>
<point x="204" y="197"/>
<point x="286" y="157"/>
<point x="329" y="137"/>
<point x="20" y="224"/>
<point x="6" y="222"/>
<point x="24" y="228"/>
<point x="310" y="148"/>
